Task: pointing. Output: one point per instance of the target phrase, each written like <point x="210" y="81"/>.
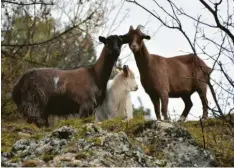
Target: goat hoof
<point x="204" y="117"/>
<point x="166" y="119"/>
<point x="182" y="119"/>
<point x="159" y="119"/>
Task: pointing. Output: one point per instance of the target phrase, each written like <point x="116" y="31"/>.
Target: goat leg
<point x="164" y="101"/>
<point x="188" y="105"/>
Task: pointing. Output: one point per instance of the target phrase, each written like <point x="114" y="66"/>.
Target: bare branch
<point x="214" y="12"/>
<point x="25" y="4"/>
<point x="226" y="75"/>
<point x="53" y="38"/>
<point x="179" y="27"/>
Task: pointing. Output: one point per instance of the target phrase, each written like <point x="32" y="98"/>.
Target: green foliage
<point x="218" y="136"/>
<point x="71" y="50"/>
<point x="141" y="111"/>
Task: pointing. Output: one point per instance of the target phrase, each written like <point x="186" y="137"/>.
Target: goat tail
<point x="30" y="100"/>
<point x="33" y="107"/>
<point x="35" y="101"/>
<point x="202" y="65"/>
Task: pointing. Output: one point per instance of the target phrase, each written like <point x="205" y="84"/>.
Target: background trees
<point x="44" y="33"/>
<point x="47" y="33"/>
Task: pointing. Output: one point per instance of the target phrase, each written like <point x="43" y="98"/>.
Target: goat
<point x="47" y="91"/>
<point x="178" y="76"/>
<point x="117" y="102"/>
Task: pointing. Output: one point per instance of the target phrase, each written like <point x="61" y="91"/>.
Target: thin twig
<point x="203" y="136"/>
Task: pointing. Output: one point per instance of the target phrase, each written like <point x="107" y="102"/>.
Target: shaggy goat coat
<point x="117" y="102"/>
<point x="45" y="91"/>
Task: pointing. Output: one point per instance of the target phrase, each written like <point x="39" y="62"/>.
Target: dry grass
<point x="218" y="137"/>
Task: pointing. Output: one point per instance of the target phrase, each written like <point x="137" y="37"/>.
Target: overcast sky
<point x="164" y="42"/>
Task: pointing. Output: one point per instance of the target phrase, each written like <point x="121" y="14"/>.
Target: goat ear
<point x="124" y="38"/>
<point x="139" y="27"/>
<point x="131" y="28"/>
<point x="125" y="70"/>
<point x="120" y="39"/>
<point x="102" y="39"/>
<point x="147" y="37"/>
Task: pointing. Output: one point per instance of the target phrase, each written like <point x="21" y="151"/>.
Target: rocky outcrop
<point x="149" y="144"/>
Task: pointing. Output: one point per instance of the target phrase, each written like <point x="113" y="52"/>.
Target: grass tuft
<point x="218" y="136"/>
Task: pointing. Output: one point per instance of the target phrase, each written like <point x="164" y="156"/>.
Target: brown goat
<point x="161" y="77"/>
<point x="44" y="91"/>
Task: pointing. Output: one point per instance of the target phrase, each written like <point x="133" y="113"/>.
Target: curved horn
<point x="139" y="27"/>
<point x="145" y="36"/>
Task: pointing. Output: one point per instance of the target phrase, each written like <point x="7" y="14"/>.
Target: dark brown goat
<point x="161" y="77"/>
<point x="45" y="91"/>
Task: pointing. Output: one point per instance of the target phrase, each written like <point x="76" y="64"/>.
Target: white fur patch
<point x="56" y="79"/>
<point x="109" y="84"/>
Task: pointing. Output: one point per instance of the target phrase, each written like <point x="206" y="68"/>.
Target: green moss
<point x="159" y="155"/>
<point x="11" y="133"/>
<point x="73" y="122"/>
<point x="47" y="157"/>
<point x="37" y="136"/>
<point x="84" y="154"/>
<point x="70" y="147"/>
<point x="8" y="110"/>
<point x="20" y="126"/>
<point x="130" y="127"/>
<point x="153" y="151"/>
<point x="80" y="133"/>
<point x="81" y="156"/>
<point x="218" y="136"/>
<point x="90" y="152"/>
<point x="115" y="124"/>
<point x="7" y="140"/>
<point x="14" y="159"/>
<point x="94" y="140"/>
<point x="10" y="130"/>
<point x="88" y="119"/>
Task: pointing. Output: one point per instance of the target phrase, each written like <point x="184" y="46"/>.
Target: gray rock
<point x="64" y="132"/>
<point x="20" y="145"/>
<point x="176" y="145"/>
<point x="155" y="144"/>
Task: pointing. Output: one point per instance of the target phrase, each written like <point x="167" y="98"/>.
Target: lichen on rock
<point x="130" y="143"/>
